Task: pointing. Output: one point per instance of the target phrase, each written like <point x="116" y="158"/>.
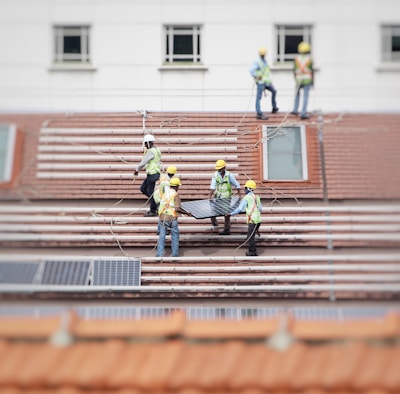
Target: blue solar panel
<point x="201" y="209"/>
<point x="17" y="272"/>
<point x="64" y="272"/>
<point x="116" y="272"/>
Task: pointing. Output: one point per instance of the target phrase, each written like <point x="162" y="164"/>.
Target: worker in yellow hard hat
<point x="163" y="183"/>
<point x="221" y="185"/>
<point x="251" y="204"/>
<point x="168" y="211"/>
<point x="304" y="76"/>
<point x="261" y="73"/>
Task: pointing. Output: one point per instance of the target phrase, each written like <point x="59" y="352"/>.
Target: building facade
<point x="179" y="55"/>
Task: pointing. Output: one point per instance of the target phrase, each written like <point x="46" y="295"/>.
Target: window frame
<point x="388" y="32"/>
<point x="304" y="153"/>
<point x="171" y="31"/>
<point x="9" y="155"/>
<point x="281" y="34"/>
<point x="59" y="34"/>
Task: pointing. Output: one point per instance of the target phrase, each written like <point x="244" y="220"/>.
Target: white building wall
<point x="127" y="46"/>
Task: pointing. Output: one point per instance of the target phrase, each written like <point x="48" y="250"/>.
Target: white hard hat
<point x="148" y="138"/>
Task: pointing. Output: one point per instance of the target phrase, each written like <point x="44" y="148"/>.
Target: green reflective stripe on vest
<point x="167" y="203"/>
<point x="264" y="73"/>
<point x="154" y="165"/>
<point x="252" y="212"/>
<point x="223" y="187"/>
<point x="303" y="69"/>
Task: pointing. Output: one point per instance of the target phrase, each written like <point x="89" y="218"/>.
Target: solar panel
<point x="17" y="272"/>
<point x="64" y="272"/>
<point x="116" y="273"/>
<point x="201" y="209"/>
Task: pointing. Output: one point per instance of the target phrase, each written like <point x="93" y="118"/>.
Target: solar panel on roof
<point x="201" y="209"/>
<point x="116" y="273"/>
<point x="17" y="272"/>
<point x="64" y="272"/>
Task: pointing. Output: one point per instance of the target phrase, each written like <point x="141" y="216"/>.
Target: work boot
<point x="251" y="254"/>
<point x="275" y="110"/>
<point x="214" y="221"/>
<point x="150" y="213"/>
<point x="226" y="231"/>
<point x="261" y="116"/>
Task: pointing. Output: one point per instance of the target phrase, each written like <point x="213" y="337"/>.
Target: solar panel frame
<point x="113" y="272"/>
<point x="202" y="209"/>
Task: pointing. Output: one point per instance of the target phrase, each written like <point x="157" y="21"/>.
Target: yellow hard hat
<point x="250" y="184"/>
<point x="175" y="182"/>
<point x="262" y="51"/>
<point x="304" y="47"/>
<point x="171" y="170"/>
<point x="220" y="164"/>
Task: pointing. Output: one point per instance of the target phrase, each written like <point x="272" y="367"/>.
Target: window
<point x="7" y="149"/>
<point x="71" y="44"/>
<point x="391" y="43"/>
<point x="287" y="40"/>
<point x="285" y="153"/>
<point x="182" y="44"/>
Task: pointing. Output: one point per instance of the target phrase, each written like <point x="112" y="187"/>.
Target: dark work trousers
<point x="147" y="189"/>
<point x="251" y="236"/>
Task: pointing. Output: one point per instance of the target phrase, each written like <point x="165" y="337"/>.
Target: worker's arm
<point x="242" y="206"/>
<point x="146" y="158"/>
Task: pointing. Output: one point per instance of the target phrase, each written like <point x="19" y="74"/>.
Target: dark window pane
<point x="291" y="44"/>
<point x="183" y="45"/>
<point x="396" y="44"/>
<point x="72" y="44"/>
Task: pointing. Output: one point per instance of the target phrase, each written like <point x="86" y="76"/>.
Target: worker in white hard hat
<point x="152" y="161"/>
<point x="251" y="204"/>
<point x="221" y="187"/>
<point x="261" y="73"/>
<point x="304" y="76"/>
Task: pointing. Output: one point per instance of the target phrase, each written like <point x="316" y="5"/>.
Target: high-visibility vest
<point x="252" y="212"/>
<point x="153" y="166"/>
<point x="167" y="203"/>
<point x="161" y="188"/>
<point x="223" y="188"/>
<point x="263" y="73"/>
<point x="303" y="69"/>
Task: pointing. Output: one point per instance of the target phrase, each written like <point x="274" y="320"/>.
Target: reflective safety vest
<point x="303" y="70"/>
<point x="252" y="211"/>
<point x="263" y="73"/>
<point x="154" y="165"/>
<point x="223" y="187"/>
<point x="161" y="188"/>
<point x="167" y="203"/>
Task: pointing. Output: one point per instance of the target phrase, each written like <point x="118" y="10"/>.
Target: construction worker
<point x="221" y="187"/>
<point x="252" y="205"/>
<point x="152" y="161"/>
<point x="304" y="76"/>
<point x="163" y="183"/>
<point x="170" y="207"/>
<point x="261" y="73"/>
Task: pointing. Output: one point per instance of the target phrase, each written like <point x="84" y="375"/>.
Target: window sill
<point x="72" y="67"/>
<point x="185" y="67"/>
<point x="388" y="67"/>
